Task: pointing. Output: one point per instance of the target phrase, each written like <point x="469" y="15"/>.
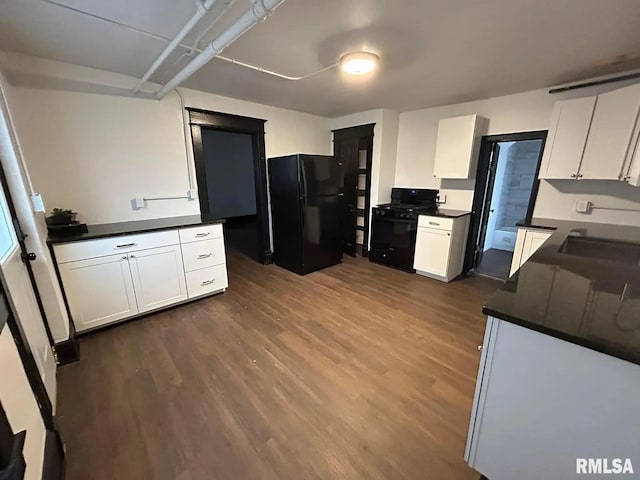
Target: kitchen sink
<point x="602" y="249"/>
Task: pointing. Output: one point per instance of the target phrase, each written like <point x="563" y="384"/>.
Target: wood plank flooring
<point x="355" y="372"/>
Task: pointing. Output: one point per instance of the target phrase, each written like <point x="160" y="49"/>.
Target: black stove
<point x="394" y="226"/>
<point x="402" y="210"/>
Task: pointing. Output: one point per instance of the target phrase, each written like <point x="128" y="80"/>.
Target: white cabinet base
<point x="109" y="276"/>
<point x="440" y="247"/>
<point x="148" y="275"/>
<point x="541" y="403"/>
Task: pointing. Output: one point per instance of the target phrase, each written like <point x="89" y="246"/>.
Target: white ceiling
<point x="433" y="52"/>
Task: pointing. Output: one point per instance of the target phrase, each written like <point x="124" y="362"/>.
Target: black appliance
<point x="307" y="210"/>
<point x="395" y="225"/>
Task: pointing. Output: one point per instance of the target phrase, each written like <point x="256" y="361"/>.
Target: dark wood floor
<point x="355" y="372"/>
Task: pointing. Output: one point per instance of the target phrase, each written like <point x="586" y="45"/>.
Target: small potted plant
<point x="60" y="216"/>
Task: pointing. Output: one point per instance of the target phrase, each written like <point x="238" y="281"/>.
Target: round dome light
<point x="359" y="63"/>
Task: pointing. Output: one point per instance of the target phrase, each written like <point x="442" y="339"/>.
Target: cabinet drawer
<point x="102" y="247"/>
<point x="197" y="255"/>
<point x="439" y="223"/>
<point x="204" y="232"/>
<point x="206" y="280"/>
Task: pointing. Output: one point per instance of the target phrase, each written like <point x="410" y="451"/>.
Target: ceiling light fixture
<point x="359" y="63"/>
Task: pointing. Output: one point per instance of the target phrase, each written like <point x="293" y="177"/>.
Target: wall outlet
<point x="584" y="206"/>
<point x="442" y="198"/>
<point x="192" y="194"/>
<point x="137" y="203"/>
<point x="37" y="203"/>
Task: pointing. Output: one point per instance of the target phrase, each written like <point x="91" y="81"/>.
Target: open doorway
<point x="505" y="195"/>
<point x="228" y="158"/>
<point x="232" y="184"/>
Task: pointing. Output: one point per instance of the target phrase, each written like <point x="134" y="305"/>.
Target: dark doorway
<point x="232" y="183"/>
<point x="228" y="158"/>
<point x="354" y="147"/>
<point x="505" y="194"/>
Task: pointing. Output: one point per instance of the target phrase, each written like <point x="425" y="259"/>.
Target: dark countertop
<point x="584" y="292"/>
<point x="448" y="213"/>
<point x="124" y="228"/>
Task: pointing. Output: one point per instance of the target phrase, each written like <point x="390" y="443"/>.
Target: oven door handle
<point x="398" y="220"/>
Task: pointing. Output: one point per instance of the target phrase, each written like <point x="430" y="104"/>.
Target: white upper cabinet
<point x="457" y="146"/>
<point x="594" y="138"/>
<point x="570" y="122"/>
<point x="633" y="174"/>
<point x="611" y="134"/>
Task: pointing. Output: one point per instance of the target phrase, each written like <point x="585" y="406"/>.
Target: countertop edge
<point x="598" y="347"/>
<point x="89" y="236"/>
<point x="462" y="213"/>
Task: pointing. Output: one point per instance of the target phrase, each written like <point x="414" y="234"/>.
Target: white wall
<point x="513" y="113"/>
<point x="93" y="153"/>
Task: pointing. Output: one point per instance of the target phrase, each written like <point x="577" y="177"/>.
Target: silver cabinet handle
<point x="132" y="256"/>
<point x="573" y="175"/>
<point x="480" y="348"/>
<point x="208" y="282"/>
<point x="125" y="245"/>
<point x="124" y="257"/>
<point x="579" y="175"/>
<point x="434" y="223"/>
<point x="205" y="255"/>
<point x="199" y="235"/>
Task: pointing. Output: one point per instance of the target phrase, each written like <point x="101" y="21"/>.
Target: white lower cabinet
<point x="99" y="290"/>
<point x="432" y="251"/>
<point x="206" y="280"/>
<point x="109" y="288"/>
<point x="440" y="245"/>
<point x="541" y="403"/>
<point x="158" y="277"/>
<point x="528" y="241"/>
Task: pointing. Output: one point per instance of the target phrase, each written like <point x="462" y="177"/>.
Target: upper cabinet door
<point x="633" y="174"/>
<point x="570" y="122"/>
<point x="610" y="137"/>
<point x="457" y="146"/>
<point x="158" y="277"/>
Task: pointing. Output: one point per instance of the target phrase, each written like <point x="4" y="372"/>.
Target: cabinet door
<point x="544" y="402"/>
<point x="457" y="146"/>
<point x="532" y="242"/>
<point x="612" y="127"/>
<point x="570" y="122"/>
<point x="516" y="260"/>
<point x="633" y="173"/>
<point x="432" y="251"/>
<point x="99" y="290"/>
<point x="158" y="277"/>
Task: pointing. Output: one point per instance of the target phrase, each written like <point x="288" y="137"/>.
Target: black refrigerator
<point x="307" y="211"/>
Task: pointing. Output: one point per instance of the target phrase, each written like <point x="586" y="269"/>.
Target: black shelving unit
<point x="354" y="147"/>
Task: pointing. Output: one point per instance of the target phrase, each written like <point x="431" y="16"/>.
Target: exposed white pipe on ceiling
<point x="191" y="48"/>
<point x="258" y="11"/>
<point x="201" y="10"/>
